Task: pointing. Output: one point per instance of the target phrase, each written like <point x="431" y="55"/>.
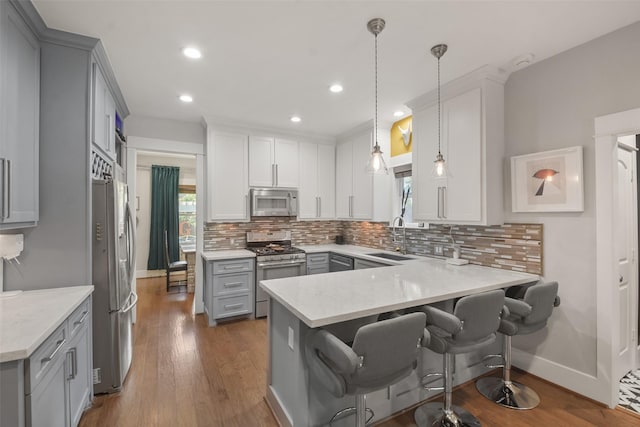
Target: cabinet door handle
<point x="319" y="207"/>
<point x="277" y="175"/>
<point x="5" y="189"/>
<point x="73" y="352"/>
<point x="438" y="198"/>
<point x="82" y="319"/>
<point x="69" y="366"/>
<point x="232" y="306"/>
<point x="59" y="345"/>
<point x="444" y="202"/>
<point x="233" y="284"/>
<point x="273" y="175"/>
<point x="7" y="180"/>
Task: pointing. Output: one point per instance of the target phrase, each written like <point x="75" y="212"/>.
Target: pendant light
<point x="376" y="163"/>
<point x="439" y="166"/>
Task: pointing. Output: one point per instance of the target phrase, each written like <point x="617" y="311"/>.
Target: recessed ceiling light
<point x="192" y="52"/>
<point x="186" y="98"/>
<point x="295" y="119"/>
<point x="398" y="114"/>
<point x="336" y="88"/>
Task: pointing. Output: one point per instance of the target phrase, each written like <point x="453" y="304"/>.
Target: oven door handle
<point x="266" y="265"/>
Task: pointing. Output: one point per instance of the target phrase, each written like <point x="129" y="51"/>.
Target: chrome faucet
<point x="454" y="246"/>
<point x="401" y="223"/>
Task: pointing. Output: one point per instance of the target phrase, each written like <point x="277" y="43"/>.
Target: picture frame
<point x="549" y="181"/>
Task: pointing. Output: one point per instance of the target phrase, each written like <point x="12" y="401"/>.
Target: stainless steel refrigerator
<point x="113" y="268"/>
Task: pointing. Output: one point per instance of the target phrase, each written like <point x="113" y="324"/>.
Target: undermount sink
<point x="390" y="256"/>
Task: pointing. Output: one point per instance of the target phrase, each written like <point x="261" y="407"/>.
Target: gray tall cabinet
<point x="58" y="251"/>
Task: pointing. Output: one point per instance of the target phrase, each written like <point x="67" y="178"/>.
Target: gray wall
<point x="551" y="105"/>
<point x="172" y="130"/>
<point x="57" y="251"/>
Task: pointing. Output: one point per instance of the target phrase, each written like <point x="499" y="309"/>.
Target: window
<point x="187" y="214"/>
<point x="405" y="194"/>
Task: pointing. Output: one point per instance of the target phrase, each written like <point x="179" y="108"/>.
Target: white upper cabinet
<point x="227" y="172"/>
<point x="316" y="193"/>
<point x="354" y="186"/>
<point x="472" y="143"/>
<point x="19" y="120"/>
<point x="273" y="162"/>
<point x="103" y="115"/>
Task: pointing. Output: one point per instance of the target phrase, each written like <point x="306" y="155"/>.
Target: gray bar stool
<point x="382" y="354"/>
<point x="528" y="312"/>
<point x="472" y="325"/>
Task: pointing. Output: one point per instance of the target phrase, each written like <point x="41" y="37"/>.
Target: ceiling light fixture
<point x="336" y="88"/>
<point x="439" y="167"/>
<point x="398" y="114"/>
<point x="296" y="119"/>
<point x="186" y="98"/>
<point x="376" y="163"/>
<point x="192" y="52"/>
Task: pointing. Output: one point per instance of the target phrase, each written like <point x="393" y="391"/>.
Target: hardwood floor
<point x="187" y="374"/>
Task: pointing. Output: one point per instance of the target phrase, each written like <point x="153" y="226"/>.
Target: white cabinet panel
<point x="316" y="192"/>
<point x="227" y="186"/>
<point x="344" y="180"/>
<point x="472" y="191"/>
<point x="273" y="162"/>
<point x="261" y="162"/>
<point x="326" y="181"/>
<point x="354" y="186"/>
<point x="286" y="161"/>
<point x="103" y="114"/>
<point x="19" y="120"/>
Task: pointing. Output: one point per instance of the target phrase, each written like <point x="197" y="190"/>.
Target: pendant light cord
<point x="375" y="123"/>
<point x="439" y="120"/>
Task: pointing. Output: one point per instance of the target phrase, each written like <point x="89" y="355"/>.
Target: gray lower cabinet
<point x="361" y="264"/>
<point x="53" y="386"/>
<point x="229" y="288"/>
<point x="318" y="263"/>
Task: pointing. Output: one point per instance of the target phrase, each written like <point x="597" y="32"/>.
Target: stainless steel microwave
<point x="274" y="202"/>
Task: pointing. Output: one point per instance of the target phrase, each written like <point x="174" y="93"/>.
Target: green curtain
<point x="164" y="215"/>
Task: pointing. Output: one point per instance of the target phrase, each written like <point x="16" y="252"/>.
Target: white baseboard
<point x="564" y="376"/>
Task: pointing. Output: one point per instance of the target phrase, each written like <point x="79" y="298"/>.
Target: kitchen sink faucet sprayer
<point x="454" y="247"/>
<point x="401" y="223"/>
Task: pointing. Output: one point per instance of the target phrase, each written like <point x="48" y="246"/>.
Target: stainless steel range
<point x="275" y="259"/>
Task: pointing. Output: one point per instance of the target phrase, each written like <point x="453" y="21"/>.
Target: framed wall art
<point x="550" y="181"/>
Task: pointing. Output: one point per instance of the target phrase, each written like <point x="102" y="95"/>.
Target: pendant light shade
<point x="376" y="163"/>
<point x="440" y="169"/>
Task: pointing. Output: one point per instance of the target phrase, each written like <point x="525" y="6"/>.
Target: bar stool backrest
<point x="480" y="315"/>
<point x="388" y="349"/>
<point x="541" y="297"/>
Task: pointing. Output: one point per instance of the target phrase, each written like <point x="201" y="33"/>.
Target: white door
<point x="344" y="179"/>
<point x="625" y="252"/>
<point x="326" y="181"/>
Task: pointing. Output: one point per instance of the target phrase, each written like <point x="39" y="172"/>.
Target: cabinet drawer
<point x="317" y="270"/>
<point x="79" y="318"/>
<point x="232" y="306"/>
<point x="46" y="356"/>
<point x="232" y="283"/>
<point x="233" y="266"/>
<point x="314" y="260"/>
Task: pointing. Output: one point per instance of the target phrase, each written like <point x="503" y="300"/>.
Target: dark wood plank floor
<point x="187" y="374"/>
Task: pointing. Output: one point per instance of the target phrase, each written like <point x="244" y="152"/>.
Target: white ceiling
<point x="267" y="60"/>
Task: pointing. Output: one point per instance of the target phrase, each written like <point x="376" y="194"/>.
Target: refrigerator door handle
<point x="131" y="244"/>
<point x="133" y="296"/>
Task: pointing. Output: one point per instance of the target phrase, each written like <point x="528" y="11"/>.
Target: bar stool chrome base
<point x="434" y="415"/>
<point x="510" y="395"/>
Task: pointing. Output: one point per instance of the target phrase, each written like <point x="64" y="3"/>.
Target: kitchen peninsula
<point x="301" y="303"/>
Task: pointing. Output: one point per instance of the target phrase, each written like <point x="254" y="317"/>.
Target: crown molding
<point x="475" y="79"/>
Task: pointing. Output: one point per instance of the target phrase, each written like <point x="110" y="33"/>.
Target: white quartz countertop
<point x="228" y="254"/>
<point x="323" y="299"/>
<point x="28" y="318"/>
